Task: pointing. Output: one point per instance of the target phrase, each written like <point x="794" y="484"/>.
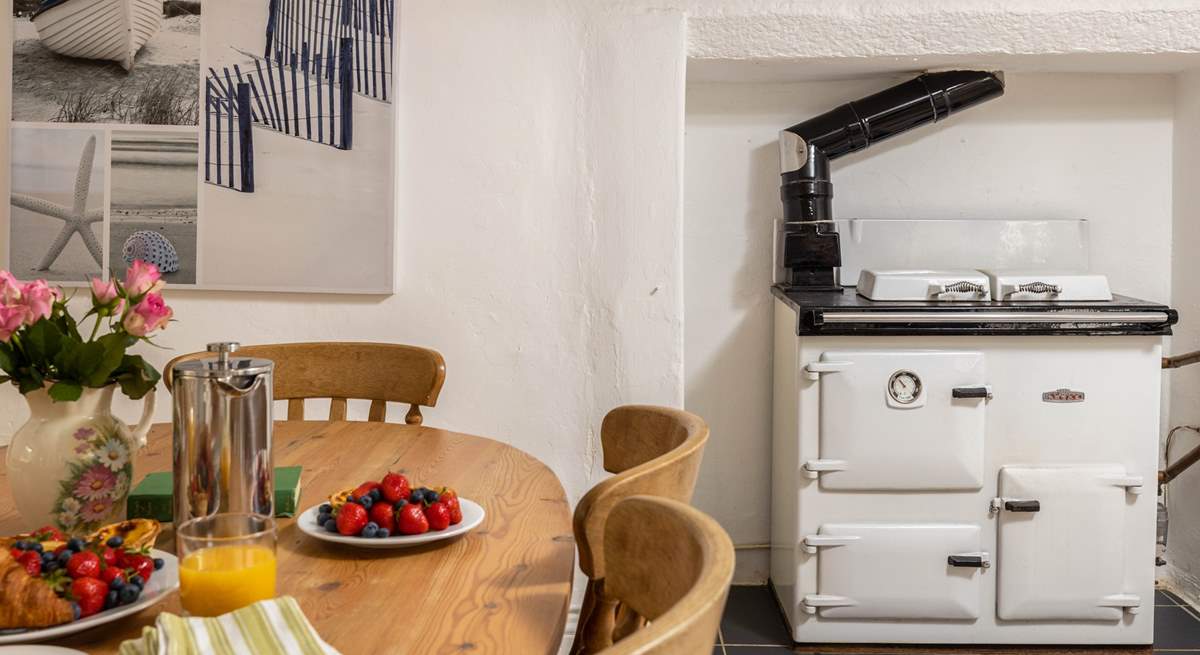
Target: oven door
<point x="1061" y="542"/>
<point x="900" y="419"/>
<point x="897" y="571"/>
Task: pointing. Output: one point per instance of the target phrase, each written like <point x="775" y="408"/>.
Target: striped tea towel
<point x="269" y="627"/>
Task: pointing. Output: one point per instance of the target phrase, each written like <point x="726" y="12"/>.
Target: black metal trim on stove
<point x="844" y="313"/>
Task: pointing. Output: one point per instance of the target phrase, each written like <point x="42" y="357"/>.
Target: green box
<point x="153" y="498"/>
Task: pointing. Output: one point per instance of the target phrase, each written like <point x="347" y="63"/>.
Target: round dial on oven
<point x="904" y="387"/>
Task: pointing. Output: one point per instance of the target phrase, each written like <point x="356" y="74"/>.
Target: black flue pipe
<point x="812" y="252"/>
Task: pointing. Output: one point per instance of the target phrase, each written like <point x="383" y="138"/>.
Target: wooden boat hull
<point x="99" y="29"/>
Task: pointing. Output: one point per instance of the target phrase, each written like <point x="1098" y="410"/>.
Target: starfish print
<point x="76" y="218"/>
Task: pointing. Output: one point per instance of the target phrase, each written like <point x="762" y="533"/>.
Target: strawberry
<point x="89" y="593"/>
<point x="84" y="565"/>
<point x="451" y="503"/>
<point x="112" y="573"/>
<point x="364" y="489"/>
<point x="15" y="552"/>
<point x="412" y="520"/>
<point x="446" y="492"/>
<point x="351" y="518"/>
<point x="438" y="516"/>
<point x="395" y="487"/>
<point x="141" y="565"/>
<point x="48" y="533"/>
<point x="109" y="556"/>
<point x="384" y="516"/>
<point x="32" y="562"/>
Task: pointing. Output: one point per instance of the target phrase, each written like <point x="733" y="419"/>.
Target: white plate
<point x="472" y="516"/>
<point x="162" y="583"/>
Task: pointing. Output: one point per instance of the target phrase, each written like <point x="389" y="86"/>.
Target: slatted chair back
<point x="670" y="565"/>
<point x="379" y="372"/>
<point x="653" y="451"/>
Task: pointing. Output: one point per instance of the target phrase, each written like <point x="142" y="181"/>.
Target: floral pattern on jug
<point x="75" y="461"/>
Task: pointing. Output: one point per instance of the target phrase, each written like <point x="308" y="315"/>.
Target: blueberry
<point x="366" y="502"/>
<point x="75" y="544"/>
<point x="20" y="545"/>
<point x="431" y="496"/>
<point x="114" y="541"/>
<point x="383" y="533"/>
<point x="417" y="496"/>
<point x="322" y="518"/>
<point x="136" y="581"/>
<point x="399" y="504"/>
<point x="326" y="509"/>
<point x="50" y="567"/>
<point x="375" y="494"/>
<point x="331" y="525"/>
<point x="117" y="583"/>
<point x="370" y="531"/>
<point x="35" y="546"/>
<point x="64" y="557"/>
<point x="48" y="556"/>
<point x="110" y="600"/>
<point x="159" y="563"/>
<point x="75" y="611"/>
<point x="128" y="594"/>
<point x="351" y="499"/>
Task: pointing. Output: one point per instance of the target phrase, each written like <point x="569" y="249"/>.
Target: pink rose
<point x="147" y="316"/>
<point x="142" y="278"/>
<point x="38" y="298"/>
<point x="106" y="298"/>
<point x="10" y="288"/>
<point x="11" y="320"/>
<point x="103" y="292"/>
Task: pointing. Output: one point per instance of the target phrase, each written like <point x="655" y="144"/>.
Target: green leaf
<point x="136" y="376"/>
<point x="6" y="359"/>
<point x="111" y="354"/>
<point x="65" y="392"/>
<point x="28" y="384"/>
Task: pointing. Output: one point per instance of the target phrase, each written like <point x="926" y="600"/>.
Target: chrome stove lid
<point x="943" y="285"/>
<point x="966" y="285"/>
<point x="1047" y="286"/>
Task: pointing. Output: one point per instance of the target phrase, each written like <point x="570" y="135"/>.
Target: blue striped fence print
<point x="228" y="139"/>
<point x="318" y="27"/>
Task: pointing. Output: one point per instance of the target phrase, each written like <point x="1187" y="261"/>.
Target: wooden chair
<point x="671" y="565"/>
<point x="653" y="451"/>
<point x="379" y="372"/>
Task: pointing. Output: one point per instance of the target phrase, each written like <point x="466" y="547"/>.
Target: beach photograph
<point x="57" y="220"/>
<point x="154" y="202"/>
<point x="106" y="61"/>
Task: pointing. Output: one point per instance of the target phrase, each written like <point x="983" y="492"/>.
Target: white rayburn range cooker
<point x="960" y="456"/>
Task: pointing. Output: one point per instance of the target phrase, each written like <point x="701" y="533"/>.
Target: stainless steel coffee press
<point x="222" y="444"/>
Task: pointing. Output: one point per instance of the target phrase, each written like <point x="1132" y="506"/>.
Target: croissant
<point x="26" y="601"/>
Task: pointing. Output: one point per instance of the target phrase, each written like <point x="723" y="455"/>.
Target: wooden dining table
<point x="503" y="588"/>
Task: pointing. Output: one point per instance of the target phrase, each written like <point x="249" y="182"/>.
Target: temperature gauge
<point x="904" y="387"/>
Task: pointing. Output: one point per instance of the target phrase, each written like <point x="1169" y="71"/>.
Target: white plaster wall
<point x="1055" y="146"/>
<point x="1183" y="543"/>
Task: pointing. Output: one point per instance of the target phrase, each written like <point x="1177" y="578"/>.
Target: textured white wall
<point x="1183" y="543"/>
<point x="1047" y="149"/>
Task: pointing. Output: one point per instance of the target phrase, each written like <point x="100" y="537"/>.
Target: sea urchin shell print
<point x="151" y="247"/>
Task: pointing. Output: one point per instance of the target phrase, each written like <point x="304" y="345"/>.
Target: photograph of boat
<point x="98" y="29"/>
<point x="106" y="61"/>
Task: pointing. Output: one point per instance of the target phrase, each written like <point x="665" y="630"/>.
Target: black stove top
<point x="846" y="313"/>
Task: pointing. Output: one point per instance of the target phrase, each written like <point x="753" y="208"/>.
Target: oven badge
<point x="1063" y="395"/>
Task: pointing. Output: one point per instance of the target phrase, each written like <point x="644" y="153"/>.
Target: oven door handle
<point x="989" y="317"/>
<point x="970" y="560"/>
<point x="984" y="392"/>
<point x="1015" y="505"/>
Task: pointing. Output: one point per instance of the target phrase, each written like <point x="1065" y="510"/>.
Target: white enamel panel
<point x="1062" y="561"/>
<point x="894" y="442"/>
<point x="900" y="571"/>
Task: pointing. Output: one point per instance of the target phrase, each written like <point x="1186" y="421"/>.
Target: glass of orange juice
<point x="226" y="562"/>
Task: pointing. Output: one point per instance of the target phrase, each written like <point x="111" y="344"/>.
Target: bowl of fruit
<point x="391" y="513"/>
<point x="52" y="585"/>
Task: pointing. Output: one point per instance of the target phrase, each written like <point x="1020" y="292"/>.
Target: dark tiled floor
<point x="753" y="625"/>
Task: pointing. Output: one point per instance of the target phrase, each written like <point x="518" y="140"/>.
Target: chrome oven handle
<point x="1039" y="288"/>
<point x="964" y="286"/>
